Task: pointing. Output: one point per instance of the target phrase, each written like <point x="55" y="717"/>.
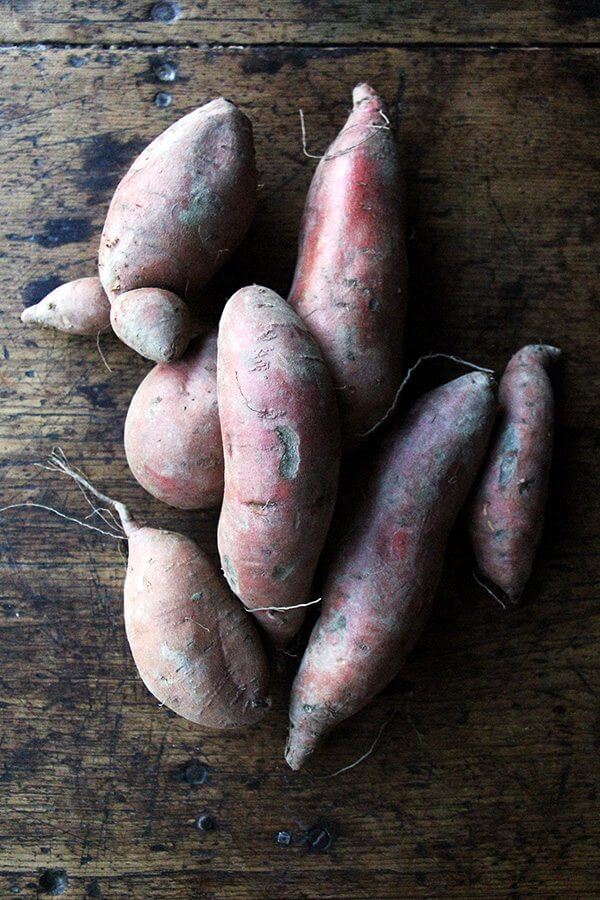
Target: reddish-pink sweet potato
<point x="172" y="431"/>
<point x="77" y="307"/>
<point x="153" y="322"/>
<point x="351" y="277"/>
<point x="507" y="514"/>
<point x="183" y="206"/>
<point x="281" y="442"/>
<point x="387" y="559"/>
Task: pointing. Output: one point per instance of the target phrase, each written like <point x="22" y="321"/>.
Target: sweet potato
<point x="172" y="431"/>
<point x="194" y="646"/>
<point x="387" y="558"/>
<point x="182" y="208"/>
<point x="281" y="443"/>
<point x="350" y="283"/>
<point x="153" y="322"/>
<point x="507" y="514"/>
<point x="77" y="307"/>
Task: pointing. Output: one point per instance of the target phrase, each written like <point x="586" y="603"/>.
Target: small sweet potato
<point x="172" y="431"/>
<point x="507" y="514"/>
<point x="153" y="322"/>
<point x="387" y="557"/>
<point x="350" y="284"/>
<point x="183" y="206"/>
<point x="281" y="442"/>
<point x="77" y="307"/>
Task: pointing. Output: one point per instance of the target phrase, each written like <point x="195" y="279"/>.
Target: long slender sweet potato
<point x="172" y="431"/>
<point x="194" y="646"/>
<point x="183" y="206"/>
<point x="281" y="443"/>
<point x="507" y="514"/>
<point x="77" y="307"/>
<point x="388" y="556"/>
<point x="351" y="277"/>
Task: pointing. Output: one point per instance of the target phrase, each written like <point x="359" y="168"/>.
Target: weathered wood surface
<point x="484" y="783"/>
<point x="305" y="22"/>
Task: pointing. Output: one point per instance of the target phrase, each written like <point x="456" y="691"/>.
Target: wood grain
<point x="307" y="22"/>
<point x="484" y="783"/>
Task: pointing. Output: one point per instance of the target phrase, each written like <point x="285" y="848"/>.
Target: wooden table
<point x="483" y="784"/>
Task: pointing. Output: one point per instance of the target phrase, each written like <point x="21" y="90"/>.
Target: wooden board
<point x="484" y="782"/>
<point x="305" y="22"/>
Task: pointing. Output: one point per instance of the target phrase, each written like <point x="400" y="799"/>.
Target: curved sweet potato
<point x="350" y="282"/>
<point x="77" y="307"/>
<point x="153" y="322"/>
<point x="388" y="556"/>
<point x="183" y="206"/>
<point x="280" y="430"/>
<point x="507" y="514"/>
<point x="172" y="431"/>
<point x="194" y="646"/>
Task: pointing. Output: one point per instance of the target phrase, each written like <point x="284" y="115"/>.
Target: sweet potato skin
<point x="195" y="648"/>
<point x="77" y="307"/>
<point x="172" y="430"/>
<point x="183" y="206"/>
<point x="350" y="284"/>
<point x="507" y="513"/>
<point x="153" y="322"/>
<point x="385" y="567"/>
<point x="280" y="428"/>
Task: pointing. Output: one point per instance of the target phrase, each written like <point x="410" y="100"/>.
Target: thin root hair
<point x="408" y="376"/>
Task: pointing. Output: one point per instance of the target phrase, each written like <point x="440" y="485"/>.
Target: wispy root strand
<point x="408" y="376"/>
<point x="364" y="756"/>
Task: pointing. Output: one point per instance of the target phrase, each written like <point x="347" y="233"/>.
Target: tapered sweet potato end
<point x="153" y="322"/>
<point x="299" y="747"/>
<point x="363" y="92"/>
<point x="542" y="354"/>
<point x="78" y="307"/>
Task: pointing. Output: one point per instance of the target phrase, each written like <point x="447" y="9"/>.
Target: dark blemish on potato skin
<point x="290" y="457"/>
<point x="510" y="453"/>
<point x="524" y="486"/>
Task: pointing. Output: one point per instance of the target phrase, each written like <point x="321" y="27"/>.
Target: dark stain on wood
<point x="572" y="12"/>
<point x="104" y="160"/>
<point x="36" y="290"/>
<point x="56" y="232"/>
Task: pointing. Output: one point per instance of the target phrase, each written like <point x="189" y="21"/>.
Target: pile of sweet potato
<point x="257" y="416"/>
